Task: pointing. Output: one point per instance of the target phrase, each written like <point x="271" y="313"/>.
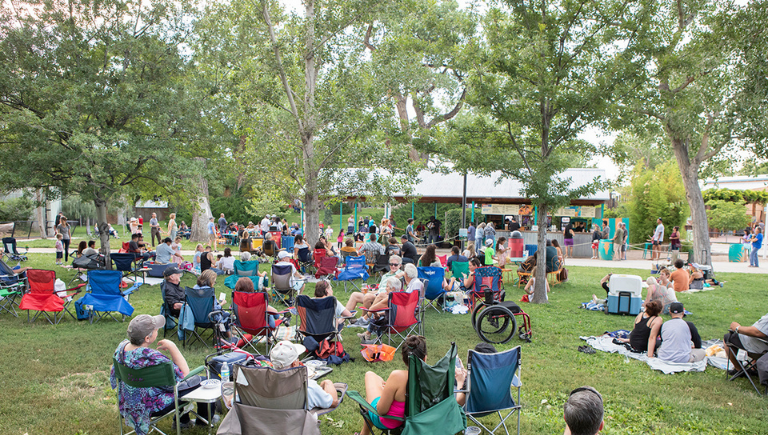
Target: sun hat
<point x="283" y="254"/>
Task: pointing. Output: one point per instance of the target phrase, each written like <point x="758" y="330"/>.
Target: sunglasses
<point x="394" y="264"/>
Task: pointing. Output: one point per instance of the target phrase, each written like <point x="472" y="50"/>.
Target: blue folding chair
<point x="248" y="269"/>
<point x="126" y="263"/>
<point x="318" y="318"/>
<point x="306" y="261"/>
<point x="201" y="304"/>
<point x="434" y="291"/>
<point x="103" y="296"/>
<point x="12" y="286"/>
<point x="492" y="376"/>
<point x="282" y="291"/>
<point x="354" y="269"/>
<point x="487" y="278"/>
<point x="287" y="243"/>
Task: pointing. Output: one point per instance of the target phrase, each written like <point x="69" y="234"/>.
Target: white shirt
<point x="265" y="225"/>
<point x="328" y="233"/>
<point x="658" y="235"/>
<point x="227" y="263"/>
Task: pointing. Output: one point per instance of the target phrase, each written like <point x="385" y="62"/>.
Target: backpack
<point x="332" y="352"/>
<point x="563" y="275"/>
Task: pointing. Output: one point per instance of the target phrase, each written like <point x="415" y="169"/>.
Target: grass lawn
<point x="55" y="378"/>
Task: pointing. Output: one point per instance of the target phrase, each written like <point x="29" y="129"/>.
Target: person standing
<point x="757" y="243"/>
<point x="350" y="225"/>
<point x="513" y="225"/>
<point x="172" y="228"/>
<point x="746" y="244"/>
<point x="63" y="228"/>
<point x="618" y="242"/>
<point x="596" y="236"/>
<point x="154" y="228"/>
<point x="625" y="246"/>
<point x="264" y="225"/>
<point x="657" y="239"/>
<point x="212" y="233"/>
<point x="222" y="224"/>
<point x="480" y="236"/>
<point x="568" y="240"/>
<point x="57" y="221"/>
<point x="471" y="236"/>
<point x="490" y="233"/>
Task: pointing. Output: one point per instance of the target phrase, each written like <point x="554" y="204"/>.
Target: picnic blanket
<point x="605" y="344"/>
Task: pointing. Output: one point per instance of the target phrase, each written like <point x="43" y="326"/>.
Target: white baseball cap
<point x="285" y="353"/>
<point x="283" y="254"/>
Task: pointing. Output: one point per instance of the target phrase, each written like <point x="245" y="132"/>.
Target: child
<point x="329" y="233"/>
<point x="489" y="252"/>
<point x="59" y="249"/>
<point x="176" y="246"/>
<point x="530" y="286"/>
<point x="340" y="239"/>
<point x="196" y="259"/>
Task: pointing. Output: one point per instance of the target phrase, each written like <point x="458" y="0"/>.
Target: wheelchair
<point x="494" y="319"/>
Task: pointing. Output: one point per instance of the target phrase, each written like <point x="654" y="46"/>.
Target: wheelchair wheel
<point x="496" y="324"/>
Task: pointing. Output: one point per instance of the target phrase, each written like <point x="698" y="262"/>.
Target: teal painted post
<point x="435" y="210"/>
<point x="413" y="210"/>
<point x="357" y="229"/>
<point x="301" y="218"/>
<point x="341" y="215"/>
<point x="536" y="215"/>
<point x="602" y="210"/>
<point x="472" y="219"/>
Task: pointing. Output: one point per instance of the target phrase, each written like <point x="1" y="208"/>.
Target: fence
<point x="24" y="230"/>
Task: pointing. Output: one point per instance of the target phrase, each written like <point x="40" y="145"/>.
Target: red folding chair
<point x="251" y="319"/>
<point x="327" y="267"/>
<point x="319" y="254"/>
<point x="42" y="296"/>
<point x="403" y="318"/>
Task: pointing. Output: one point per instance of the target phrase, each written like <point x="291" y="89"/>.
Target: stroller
<point x="9" y="245"/>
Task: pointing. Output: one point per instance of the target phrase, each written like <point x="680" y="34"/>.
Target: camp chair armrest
<point x="287" y="310"/>
<point x="212" y="313"/>
<point x="77" y="286"/>
<point x="374" y="311"/>
<point x="194" y="372"/>
<point x="68" y="294"/>
<point x="131" y="289"/>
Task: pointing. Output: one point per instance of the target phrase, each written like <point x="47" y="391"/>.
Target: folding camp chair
<point x="402" y="318"/>
<point x="327" y="267"/>
<point x="380" y="263"/>
<point x="269" y="248"/>
<point x="161" y="375"/>
<point x="43" y="298"/>
<point x="306" y="261"/>
<point x="127" y="263"/>
<point x="354" y="269"/>
<point x="281" y="284"/>
<point x="286" y="243"/>
<point x="251" y="318"/>
<point x="431" y="407"/>
<point x="104" y="297"/>
<point x="9" y="245"/>
<point x="434" y="292"/>
<point x="745" y="368"/>
<point x="318" y="318"/>
<point x="443" y="259"/>
<point x="201" y="303"/>
<point x="492" y="376"/>
<point x="248" y="269"/>
<point x="273" y="402"/>
<point x="171" y="322"/>
<point x="460" y="269"/>
<point x="486" y="277"/>
<point x="12" y="287"/>
<point x="318" y="256"/>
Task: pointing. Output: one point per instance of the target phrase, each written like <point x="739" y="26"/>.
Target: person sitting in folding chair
<point x="389" y="397"/>
<point x="322" y="290"/>
<point x="174" y="294"/>
<point x="752" y="339"/>
<point x="381" y="302"/>
<point x="412" y="283"/>
<point x="296" y="282"/>
<point x="245" y="285"/>
<point x="285" y="355"/>
<point x="207" y="279"/>
<point x="139" y="405"/>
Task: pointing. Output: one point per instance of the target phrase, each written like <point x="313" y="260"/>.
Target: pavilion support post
<point x="356" y="215"/>
<point x="536" y="215"/>
<point x="301" y="204"/>
<point x="413" y="210"/>
<point x="472" y="219"/>
<point x="464" y="209"/>
<point x="341" y="215"/>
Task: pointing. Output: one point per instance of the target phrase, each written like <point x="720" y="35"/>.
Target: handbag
<point x="563" y="275"/>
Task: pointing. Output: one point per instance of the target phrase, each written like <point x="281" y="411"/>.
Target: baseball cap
<point x="172" y="270"/>
<point x="143" y="325"/>
<point x="283" y="254"/>
<point x="404" y="237"/>
<point x="676" y="308"/>
<point x="285" y="353"/>
<point x="488" y="242"/>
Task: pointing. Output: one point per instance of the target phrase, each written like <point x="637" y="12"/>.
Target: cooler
<point x="516" y="245"/>
<point x="625" y="295"/>
<point x="706" y="271"/>
<point x="214" y="364"/>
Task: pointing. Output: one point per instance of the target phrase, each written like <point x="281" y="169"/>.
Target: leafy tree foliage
<point x="737" y="196"/>
<point x="657" y="193"/>
<point x="727" y="215"/>
<point x="16" y="209"/>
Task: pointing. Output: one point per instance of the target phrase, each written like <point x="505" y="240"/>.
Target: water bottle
<point x="224" y="372"/>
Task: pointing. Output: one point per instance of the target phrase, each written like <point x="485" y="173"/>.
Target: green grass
<point x="55" y="378"/>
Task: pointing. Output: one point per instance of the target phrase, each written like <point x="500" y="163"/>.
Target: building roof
<point x="437" y="187"/>
<point x="759" y="182"/>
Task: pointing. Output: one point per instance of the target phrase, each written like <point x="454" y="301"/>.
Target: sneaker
<point x="360" y="323"/>
<point x="363" y="336"/>
<point x="371" y="341"/>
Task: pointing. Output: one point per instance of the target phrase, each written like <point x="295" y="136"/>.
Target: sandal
<point x="587" y="349"/>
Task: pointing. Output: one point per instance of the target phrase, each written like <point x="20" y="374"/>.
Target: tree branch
<point x="451" y="114"/>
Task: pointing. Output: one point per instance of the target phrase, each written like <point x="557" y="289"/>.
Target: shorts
<point x="655" y="243"/>
<point x="298" y="285"/>
<point x="595" y="244"/>
<point x="59" y="255"/>
<point x="568" y="242"/>
<point x="732" y="339"/>
<point x="382" y="423"/>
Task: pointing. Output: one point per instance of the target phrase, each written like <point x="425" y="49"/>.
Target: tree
<point x="544" y="75"/>
<point x="630" y="149"/>
<point x="727" y="215"/>
<point x="306" y="99"/>
<point x="657" y="193"/>
<point x="92" y="98"/>
<point x="691" y="91"/>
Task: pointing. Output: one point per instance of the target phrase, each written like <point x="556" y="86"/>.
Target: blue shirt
<point x="758" y="243"/>
<point x="471" y="233"/>
<point x="211" y="228"/>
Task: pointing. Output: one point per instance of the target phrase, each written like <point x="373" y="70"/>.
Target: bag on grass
<point x="378" y="352"/>
<point x="563" y="275"/>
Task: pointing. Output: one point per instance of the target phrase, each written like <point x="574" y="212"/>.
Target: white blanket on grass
<point x="605" y="344"/>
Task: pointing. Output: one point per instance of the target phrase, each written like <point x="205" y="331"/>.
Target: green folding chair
<point x="160" y="375"/>
<point x="435" y="410"/>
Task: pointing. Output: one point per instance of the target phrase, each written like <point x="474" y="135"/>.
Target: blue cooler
<point x="214" y="364"/>
<point x="625" y="295"/>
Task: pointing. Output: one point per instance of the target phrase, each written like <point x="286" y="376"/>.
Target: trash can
<point x="516" y="245"/>
<point x="735" y="253"/>
<point x="606" y="249"/>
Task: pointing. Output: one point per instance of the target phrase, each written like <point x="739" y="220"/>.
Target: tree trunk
<point x="202" y="212"/>
<point x="690" y="173"/>
<point x="40" y="214"/>
<point x="540" y="289"/>
<point x="101" y="221"/>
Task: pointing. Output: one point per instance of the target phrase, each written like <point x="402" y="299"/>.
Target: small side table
<point x="207" y="396"/>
